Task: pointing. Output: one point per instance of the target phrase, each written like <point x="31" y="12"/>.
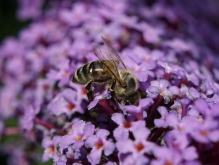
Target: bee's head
<point x="132" y="99"/>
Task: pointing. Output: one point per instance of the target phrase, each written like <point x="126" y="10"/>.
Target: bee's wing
<point x="112" y="53"/>
<point x="103" y="53"/>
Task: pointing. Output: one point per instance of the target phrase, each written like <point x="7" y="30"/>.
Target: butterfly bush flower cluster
<point x="171" y="47"/>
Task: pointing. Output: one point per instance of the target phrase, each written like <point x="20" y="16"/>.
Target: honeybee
<point x="121" y="82"/>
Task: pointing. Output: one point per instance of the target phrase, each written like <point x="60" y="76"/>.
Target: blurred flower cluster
<point x="171" y="46"/>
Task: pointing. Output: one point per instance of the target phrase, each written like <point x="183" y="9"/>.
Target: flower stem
<point x="153" y="110"/>
<point x="49" y="126"/>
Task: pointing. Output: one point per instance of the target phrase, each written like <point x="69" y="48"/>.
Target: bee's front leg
<point x="112" y="87"/>
<point x="89" y="91"/>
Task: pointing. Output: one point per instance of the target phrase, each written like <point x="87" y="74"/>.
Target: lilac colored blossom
<point x="81" y="91"/>
<point x="124" y="126"/>
<point x="28" y="118"/>
<point x="206" y="131"/>
<point x="130" y="160"/>
<point x="74" y="16"/>
<point x="80" y="132"/>
<point x="51" y="147"/>
<point x="166" y="117"/>
<point x="29" y="9"/>
<point x="181" y="145"/>
<point x="143" y="104"/>
<point x="62" y="161"/>
<point x="110" y="163"/>
<point x="151" y="34"/>
<point x="99" y="143"/>
<point x="161" y="87"/>
<point x="193" y="94"/>
<point x="65" y="102"/>
<point x="98" y="98"/>
<point x="137" y="148"/>
<point x="63" y="74"/>
<point x="177" y="106"/>
<point x="172" y="68"/>
<point x="166" y="156"/>
<point x="141" y="71"/>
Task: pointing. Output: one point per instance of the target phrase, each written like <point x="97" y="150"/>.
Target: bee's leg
<point x="88" y="87"/>
<point x="112" y="92"/>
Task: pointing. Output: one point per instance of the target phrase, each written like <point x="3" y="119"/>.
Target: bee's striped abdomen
<point x="82" y="75"/>
<point x="95" y="71"/>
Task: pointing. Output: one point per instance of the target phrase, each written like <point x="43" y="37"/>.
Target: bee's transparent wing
<point x="103" y="53"/>
<point x="113" y="55"/>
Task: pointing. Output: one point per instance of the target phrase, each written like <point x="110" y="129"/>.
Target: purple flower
<point x="29" y="9"/>
<point x="150" y="34"/>
<point x="124" y="126"/>
<point x="110" y="163"/>
<point x="202" y="107"/>
<point x="177" y="106"/>
<point x="209" y="88"/>
<point x="81" y="91"/>
<point x="152" y="92"/>
<point x="180" y="45"/>
<point x="214" y="110"/>
<point x="143" y="55"/>
<point x="63" y="74"/>
<point x="193" y="94"/>
<point x="101" y="96"/>
<point x="172" y="68"/>
<point x="137" y="148"/>
<point x="75" y="16"/>
<point x="166" y="156"/>
<point x="27" y="120"/>
<point x="61" y="161"/>
<point x="213" y="100"/>
<point x="187" y="124"/>
<point x="206" y="131"/>
<point x="180" y="143"/>
<point x="141" y="71"/>
<point x="80" y="132"/>
<point x="51" y="148"/>
<point x="143" y="104"/>
<point x="162" y="87"/>
<point x="99" y="143"/>
<point x="131" y="160"/>
<point x="65" y="102"/>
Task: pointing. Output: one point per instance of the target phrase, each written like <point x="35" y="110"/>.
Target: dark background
<point x="9" y="25"/>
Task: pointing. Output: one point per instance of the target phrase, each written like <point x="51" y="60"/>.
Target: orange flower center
<point x="70" y="106"/>
<point x="147" y="59"/>
<point x="65" y="74"/>
<point x="78" y="138"/>
<point x="64" y="53"/>
<point x="99" y="145"/>
<point x="204" y="133"/>
<point x="139" y="147"/>
<point x="168" y="163"/>
<point x="180" y="128"/>
<point x="52" y="149"/>
<point x="127" y="124"/>
<point x="179" y="111"/>
<point x="163" y="93"/>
